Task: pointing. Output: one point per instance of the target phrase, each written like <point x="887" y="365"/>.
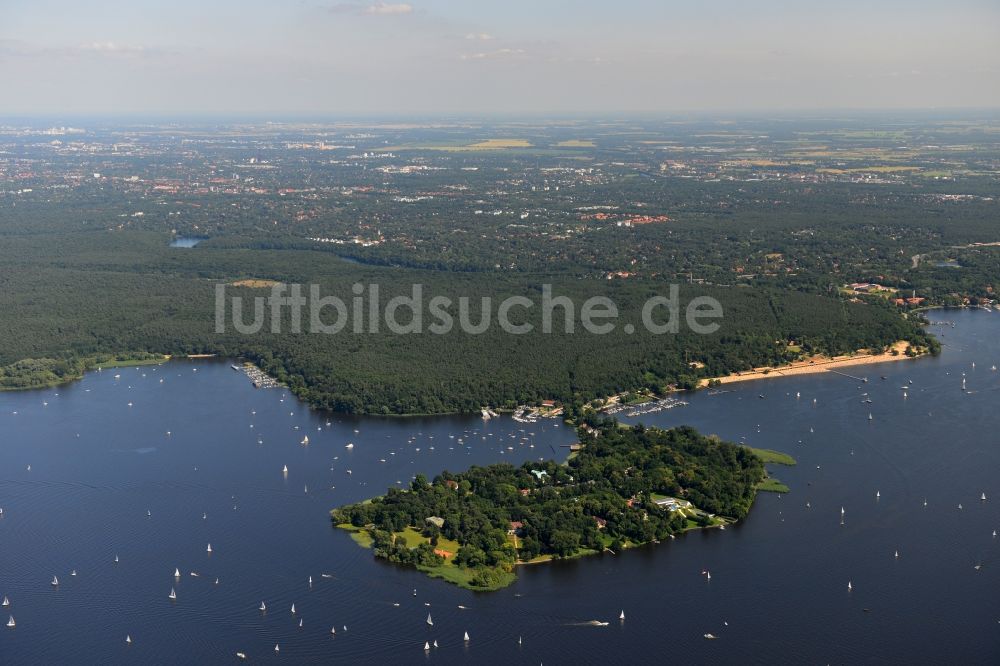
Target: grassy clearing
<point x="488" y="144"/>
<point x="576" y="143"/>
<point x="773" y="457"/>
<point x="359" y="534"/>
<point x="492" y="144"/>
<point x="463" y="576"/>
<point x="411" y="537"/>
<point x="770" y="485"/>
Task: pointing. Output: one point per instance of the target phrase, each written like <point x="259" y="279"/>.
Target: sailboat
<point x="427" y="646"/>
<point x="877" y="494"/>
<point x="430" y="622"/>
<point x="897" y="555"/>
<point x="177" y="573"/>
<point x="849" y="586"/>
<point x="116" y="559"/>
<point x="209" y="549"/>
<point x="300" y="623"/>
<point x="73" y="572"/>
<point x="263" y="607"/>
<point x="173" y="594"/>
<point x="305" y="440"/>
<point x="293" y="609"/>
<point x="11" y="623"/>
<point x="350" y="445"/>
<point x="333" y="630"/>
<point x="466" y="637"/>
<point x="708" y="575"/>
<point x="310" y="581"/>
<point x="869" y="416"/>
<point x="982" y="497"/>
<point x="128" y="639"/>
<point x="55" y="582"/>
<point x="6" y="602"/>
<point x="519" y="640"/>
<point x="284" y="470"/>
<point x="621" y="616"/>
<point x="277" y="648"/>
<point x="435" y="643"/>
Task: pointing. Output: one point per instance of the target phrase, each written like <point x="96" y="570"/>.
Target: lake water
<point x="778" y="591"/>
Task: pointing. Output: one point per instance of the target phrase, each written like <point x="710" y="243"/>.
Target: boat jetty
<point x="650" y="407"/>
<point x="258" y="377"/>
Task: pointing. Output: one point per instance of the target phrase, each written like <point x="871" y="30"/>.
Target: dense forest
<point x="73" y="296"/>
<point x="771" y="218"/>
<point x="604" y="496"/>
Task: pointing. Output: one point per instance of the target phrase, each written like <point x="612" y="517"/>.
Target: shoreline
<point x="815" y="365"/>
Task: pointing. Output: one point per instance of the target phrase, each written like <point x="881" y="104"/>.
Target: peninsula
<point x="624" y="487"/>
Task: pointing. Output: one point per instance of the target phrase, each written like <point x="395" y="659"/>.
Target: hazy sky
<point x="503" y="56"/>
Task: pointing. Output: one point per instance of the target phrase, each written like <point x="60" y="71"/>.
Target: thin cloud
<point x="111" y="48"/>
<point x="479" y="37"/>
<point x="386" y="9"/>
<point x="492" y="55"/>
<point x="377" y="9"/>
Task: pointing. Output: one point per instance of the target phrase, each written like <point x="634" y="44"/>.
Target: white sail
<point x="173" y="593"/>
<point x="466" y="637"/>
<point x="11" y="623"/>
<point x="429" y="620"/>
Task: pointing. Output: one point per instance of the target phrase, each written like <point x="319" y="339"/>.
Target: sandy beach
<point x="817" y="364"/>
